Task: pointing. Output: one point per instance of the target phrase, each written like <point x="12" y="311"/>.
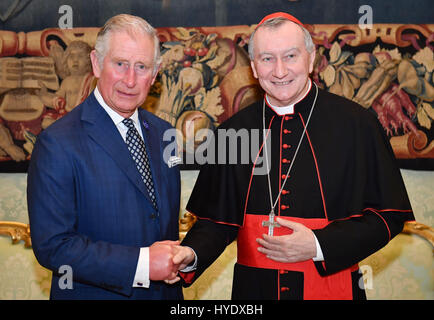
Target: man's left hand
<point x="295" y="247"/>
<point x="182" y="258"/>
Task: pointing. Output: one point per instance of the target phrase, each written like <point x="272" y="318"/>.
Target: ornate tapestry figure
<point x="74" y="67"/>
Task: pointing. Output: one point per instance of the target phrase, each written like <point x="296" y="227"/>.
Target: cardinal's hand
<point x="298" y="246"/>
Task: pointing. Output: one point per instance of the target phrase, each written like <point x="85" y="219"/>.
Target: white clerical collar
<point x="116" y="117"/>
<point x="290" y="108"/>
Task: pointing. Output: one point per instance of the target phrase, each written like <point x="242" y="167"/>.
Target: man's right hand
<point x="161" y="266"/>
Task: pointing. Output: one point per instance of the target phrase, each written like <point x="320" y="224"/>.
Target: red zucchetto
<point x="282" y="15"/>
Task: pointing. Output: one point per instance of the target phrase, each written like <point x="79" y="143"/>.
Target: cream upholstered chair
<point x="21" y="276"/>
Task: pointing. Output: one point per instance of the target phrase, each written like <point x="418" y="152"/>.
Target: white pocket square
<point x="173" y="161"/>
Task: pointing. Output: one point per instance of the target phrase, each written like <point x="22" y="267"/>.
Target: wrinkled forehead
<point x="142" y="43"/>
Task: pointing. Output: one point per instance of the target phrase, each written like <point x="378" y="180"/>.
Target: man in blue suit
<point x="91" y="211"/>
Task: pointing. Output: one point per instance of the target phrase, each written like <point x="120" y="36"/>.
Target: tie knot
<point x="128" y="123"/>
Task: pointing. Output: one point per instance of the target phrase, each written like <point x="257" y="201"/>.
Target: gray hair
<point x="274" y="23"/>
<point x="132" y="25"/>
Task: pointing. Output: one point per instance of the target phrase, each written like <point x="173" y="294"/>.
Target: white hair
<point x="274" y="23"/>
<point x="132" y="25"/>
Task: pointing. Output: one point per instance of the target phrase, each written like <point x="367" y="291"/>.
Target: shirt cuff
<point x="141" y="278"/>
<point x="319" y="254"/>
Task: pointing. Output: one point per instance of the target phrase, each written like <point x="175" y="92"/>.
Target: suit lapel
<point x="102" y="130"/>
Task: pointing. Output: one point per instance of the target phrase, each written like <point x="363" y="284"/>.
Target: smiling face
<point x="127" y="71"/>
<point x="281" y="63"/>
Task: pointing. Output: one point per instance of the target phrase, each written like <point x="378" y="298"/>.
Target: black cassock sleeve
<point x="378" y="209"/>
<point x="208" y="239"/>
<point x="217" y="200"/>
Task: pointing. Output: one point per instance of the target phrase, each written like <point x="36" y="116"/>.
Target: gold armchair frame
<point x="421" y="230"/>
<point x="185" y="224"/>
<point x="17" y="231"/>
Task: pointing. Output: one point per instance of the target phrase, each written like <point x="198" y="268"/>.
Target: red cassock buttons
<point x="286" y="146"/>
<point x="283" y="289"/>
<point x="286" y="161"/>
<point x="283" y="207"/>
<point x="286" y="131"/>
<point x="285" y="191"/>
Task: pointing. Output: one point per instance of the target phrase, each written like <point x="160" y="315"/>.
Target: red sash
<point x="337" y="286"/>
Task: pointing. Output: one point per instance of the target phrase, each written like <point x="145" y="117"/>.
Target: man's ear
<point x="95" y="64"/>
<point x="252" y="64"/>
<point x="312" y="60"/>
<point x="156" y="73"/>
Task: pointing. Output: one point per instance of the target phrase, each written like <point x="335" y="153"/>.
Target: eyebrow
<point x="123" y="59"/>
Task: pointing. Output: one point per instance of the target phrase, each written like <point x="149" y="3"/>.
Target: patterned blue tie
<point x="138" y="152"/>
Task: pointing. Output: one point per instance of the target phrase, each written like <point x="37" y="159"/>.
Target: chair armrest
<point x="424" y="231"/>
<point x="17" y="231"/>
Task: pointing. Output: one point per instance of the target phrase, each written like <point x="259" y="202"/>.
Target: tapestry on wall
<point x="206" y="78"/>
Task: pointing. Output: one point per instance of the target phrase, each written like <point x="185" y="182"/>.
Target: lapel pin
<point x="145" y="124"/>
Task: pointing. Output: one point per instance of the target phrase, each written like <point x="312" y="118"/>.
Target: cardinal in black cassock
<point x="330" y="168"/>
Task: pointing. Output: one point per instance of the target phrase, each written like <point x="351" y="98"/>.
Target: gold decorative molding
<point x="424" y="231"/>
<point x="17" y="231"/>
<point x="185" y="224"/>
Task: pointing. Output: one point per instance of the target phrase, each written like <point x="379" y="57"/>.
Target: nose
<point x="130" y="78"/>
<point x="280" y="70"/>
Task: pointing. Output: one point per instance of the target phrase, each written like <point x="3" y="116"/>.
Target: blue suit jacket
<point x="89" y="208"/>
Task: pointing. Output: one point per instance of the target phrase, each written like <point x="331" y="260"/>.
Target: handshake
<point x="166" y="258"/>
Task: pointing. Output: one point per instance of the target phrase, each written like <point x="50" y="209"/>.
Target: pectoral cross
<point x="270" y="223"/>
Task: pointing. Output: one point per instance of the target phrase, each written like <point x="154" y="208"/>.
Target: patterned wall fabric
<point x="206" y="77"/>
